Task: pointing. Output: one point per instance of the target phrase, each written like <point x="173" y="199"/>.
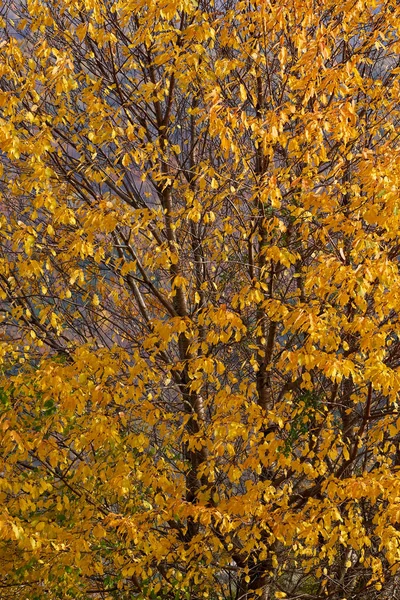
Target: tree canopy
<point x="199" y="299"/>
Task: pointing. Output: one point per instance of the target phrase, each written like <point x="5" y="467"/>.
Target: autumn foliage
<point x="199" y="299"/>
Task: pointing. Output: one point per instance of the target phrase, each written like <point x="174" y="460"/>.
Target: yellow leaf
<point x="99" y="531"/>
<point x="81" y="31"/>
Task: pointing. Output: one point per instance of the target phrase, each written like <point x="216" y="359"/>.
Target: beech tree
<point x="199" y="299"/>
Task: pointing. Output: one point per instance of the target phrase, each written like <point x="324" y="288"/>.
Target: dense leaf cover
<point x="199" y="299"/>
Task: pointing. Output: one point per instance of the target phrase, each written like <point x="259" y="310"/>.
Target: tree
<point x="200" y="299"/>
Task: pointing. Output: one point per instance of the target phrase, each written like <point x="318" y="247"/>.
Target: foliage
<point x="199" y="296"/>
